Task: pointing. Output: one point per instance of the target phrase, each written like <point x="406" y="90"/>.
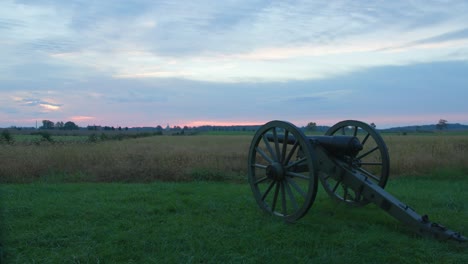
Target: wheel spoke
<point x="261" y="180"/>
<point x="268" y="146"/>
<point x="296" y="187"/>
<point x="368" y="152"/>
<point x="293" y="150"/>
<point x="368" y="174"/>
<point x="283" y="198"/>
<point x="372" y="163"/>
<point x="291" y="195"/>
<point x="297" y="162"/>
<point x="296" y="175"/>
<point x="264" y="155"/>
<point x="365" y="139"/>
<point x="275" y="198"/>
<point x="285" y="146"/>
<point x="268" y="190"/>
<point x="336" y="185"/>
<point x="260" y="166"/>
<point x="345" y="190"/>
<point x="355" y="131"/>
<point x="277" y="148"/>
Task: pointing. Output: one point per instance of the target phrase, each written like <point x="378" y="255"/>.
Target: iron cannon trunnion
<point x="351" y="160"/>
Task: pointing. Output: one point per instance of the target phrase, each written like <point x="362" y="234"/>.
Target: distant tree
<point x="442" y="124"/>
<point x="70" y="126"/>
<point x="47" y="124"/>
<point x="59" y="125"/>
<point x="120" y="128"/>
<point x="373" y="125"/>
<point x="311" y="126"/>
<point x="159" y="128"/>
<point x="126" y="128"/>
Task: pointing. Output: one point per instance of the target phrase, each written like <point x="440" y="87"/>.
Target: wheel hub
<point x="275" y="171"/>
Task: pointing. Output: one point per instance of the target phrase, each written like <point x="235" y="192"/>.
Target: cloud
<point x="35" y="102"/>
<point x="45" y="106"/>
<point x="461" y="34"/>
<point x="226" y="42"/>
<point x="161" y="61"/>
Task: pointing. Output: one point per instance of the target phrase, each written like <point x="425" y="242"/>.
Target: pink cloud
<point x="82" y="118"/>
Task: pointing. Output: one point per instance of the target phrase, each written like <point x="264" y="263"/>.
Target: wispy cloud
<point x="44" y="105"/>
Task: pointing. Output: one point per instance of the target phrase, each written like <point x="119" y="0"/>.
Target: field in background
<point x="199" y="157"/>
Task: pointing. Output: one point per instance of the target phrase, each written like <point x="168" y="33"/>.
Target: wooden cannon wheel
<point x="279" y="187"/>
<point x="373" y="161"/>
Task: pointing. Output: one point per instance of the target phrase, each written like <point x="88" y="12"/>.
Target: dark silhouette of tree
<point x="59" y="125"/>
<point x="70" y="126"/>
<point x="442" y="124"/>
<point x="311" y="126"/>
<point x="47" y="124"/>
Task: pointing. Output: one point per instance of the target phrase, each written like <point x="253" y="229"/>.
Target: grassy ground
<point x="201" y="222"/>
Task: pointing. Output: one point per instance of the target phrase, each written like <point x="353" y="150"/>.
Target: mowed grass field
<point x="184" y="199"/>
<point x="208" y="222"/>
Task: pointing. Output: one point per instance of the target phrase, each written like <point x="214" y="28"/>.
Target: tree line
<point x="69" y="125"/>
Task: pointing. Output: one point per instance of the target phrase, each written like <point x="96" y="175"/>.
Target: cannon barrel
<point x="336" y="145"/>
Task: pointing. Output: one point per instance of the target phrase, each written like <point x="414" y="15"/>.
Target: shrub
<point x="92" y="138"/>
<point x="7" y="137"/>
<point x="46" y="136"/>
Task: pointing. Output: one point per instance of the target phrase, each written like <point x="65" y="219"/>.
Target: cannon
<point x="351" y="161"/>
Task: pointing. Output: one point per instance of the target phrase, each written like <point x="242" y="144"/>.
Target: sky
<point x="148" y="63"/>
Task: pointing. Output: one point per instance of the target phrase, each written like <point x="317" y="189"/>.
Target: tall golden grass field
<point x="198" y="157"/>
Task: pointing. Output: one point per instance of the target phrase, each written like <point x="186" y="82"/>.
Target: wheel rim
<point x="373" y="161"/>
<point x="282" y="176"/>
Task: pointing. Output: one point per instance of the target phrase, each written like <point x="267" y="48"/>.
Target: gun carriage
<point x="351" y="161"/>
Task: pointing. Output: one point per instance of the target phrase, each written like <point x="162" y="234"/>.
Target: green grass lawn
<point x="202" y="222"/>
